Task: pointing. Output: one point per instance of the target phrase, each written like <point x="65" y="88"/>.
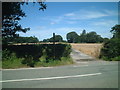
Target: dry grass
<point x="90" y="49"/>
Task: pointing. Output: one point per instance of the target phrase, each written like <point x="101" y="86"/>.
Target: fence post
<point x="54" y="45"/>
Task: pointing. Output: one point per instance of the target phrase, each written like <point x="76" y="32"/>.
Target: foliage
<point x="23" y="40"/>
<point x="116" y="31"/>
<point x="63" y="61"/>
<point x="91" y="37"/>
<point x="45" y="40"/>
<point x="72" y="37"/>
<point x="10" y="60"/>
<point x="111" y="49"/>
<point x="116" y="58"/>
<point x="83" y="37"/>
<point x="105" y="40"/>
<point x="11" y="15"/>
<point x="58" y="38"/>
<point x="34" y="54"/>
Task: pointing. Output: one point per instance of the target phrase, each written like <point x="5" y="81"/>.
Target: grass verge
<point x="12" y="61"/>
<point x="63" y="61"/>
<point x="17" y="63"/>
<point x="36" y="56"/>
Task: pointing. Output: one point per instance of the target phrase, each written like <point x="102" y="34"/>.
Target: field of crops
<point x="90" y="49"/>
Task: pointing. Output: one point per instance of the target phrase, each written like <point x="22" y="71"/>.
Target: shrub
<point x="111" y="50"/>
<point x="116" y="58"/>
<point x="43" y="54"/>
<point x="28" y="60"/>
<point x="10" y="60"/>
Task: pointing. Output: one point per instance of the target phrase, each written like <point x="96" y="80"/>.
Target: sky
<point x="64" y="17"/>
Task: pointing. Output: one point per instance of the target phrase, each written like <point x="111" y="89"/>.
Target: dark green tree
<point x="11" y="14"/>
<point x="105" y="39"/>
<point x="116" y="31"/>
<point x="82" y="37"/>
<point x="72" y="37"/>
<point x="93" y="37"/>
<point x="111" y="49"/>
<point x="45" y="40"/>
<point x="58" y="38"/>
<point x="83" y="32"/>
<point x="23" y="40"/>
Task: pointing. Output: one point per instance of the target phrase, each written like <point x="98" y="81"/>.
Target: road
<point x="83" y="74"/>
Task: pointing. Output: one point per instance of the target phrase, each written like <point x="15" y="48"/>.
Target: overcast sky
<point x="64" y="17"/>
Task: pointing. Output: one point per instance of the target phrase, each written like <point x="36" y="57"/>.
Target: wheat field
<point x="89" y="49"/>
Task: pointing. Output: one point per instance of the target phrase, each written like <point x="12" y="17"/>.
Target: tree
<point x="45" y="40"/>
<point x="111" y="49"/>
<point x="72" y="37"/>
<point x="83" y="32"/>
<point x="58" y="38"/>
<point x="116" y="31"/>
<point x="92" y="37"/>
<point x="83" y="37"/>
<point x="11" y="14"/>
<point x="105" y="39"/>
<point x="23" y="40"/>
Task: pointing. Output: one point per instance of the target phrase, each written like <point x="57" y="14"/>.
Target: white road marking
<point x="79" y="65"/>
<point x="26" y="68"/>
<point x="50" y="78"/>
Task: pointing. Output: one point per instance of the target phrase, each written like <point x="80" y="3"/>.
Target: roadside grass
<point x="0" y="63"/>
<point x="10" y="60"/>
<point x="35" y="56"/>
<point x="63" y="61"/>
<point x="0" y="59"/>
<point x="17" y="63"/>
<point x="111" y="59"/>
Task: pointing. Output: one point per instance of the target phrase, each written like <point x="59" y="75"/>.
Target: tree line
<point x="73" y="37"/>
<point x="58" y="38"/>
<point x="90" y="37"/>
<point x="10" y="40"/>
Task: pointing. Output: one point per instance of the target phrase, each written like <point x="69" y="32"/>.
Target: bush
<point x="43" y="58"/>
<point x="63" y="61"/>
<point x="28" y="60"/>
<point x="10" y="60"/>
<point x="7" y="55"/>
<point x="111" y="50"/>
<point x="116" y="58"/>
<point x="36" y="51"/>
<point x="43" y="54"/>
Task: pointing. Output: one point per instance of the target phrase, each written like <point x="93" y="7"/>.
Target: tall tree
<point x="83" y="37"/>
<point x="83" y="32"/>
<point x="111" y="49"/>
<point x="58" y="38"/>
<point x="72" y="37"/>
<point x="11" y="14"/>
<point x="116" y="31"/>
